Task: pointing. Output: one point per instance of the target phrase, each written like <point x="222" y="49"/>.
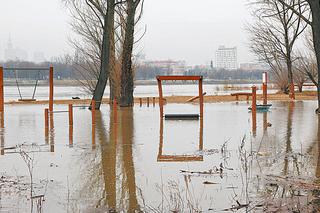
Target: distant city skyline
<point x="172" y="33"/>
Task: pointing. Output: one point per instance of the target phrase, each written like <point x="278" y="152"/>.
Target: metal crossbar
<point x="26" y="69"/>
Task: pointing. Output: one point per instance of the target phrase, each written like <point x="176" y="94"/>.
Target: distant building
<point x="11" y="53"/>
<point x="226" y="58"/>
<point x="173" y="67"/>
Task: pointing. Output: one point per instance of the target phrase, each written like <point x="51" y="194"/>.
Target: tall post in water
<point x="160" y="97"/>
<point x="1" y="92"/>
<point x="70" y="112"/>
<point x="254" y="110"/>
<point x="201" y="97"/>
<point x="51" y="89"/>
<point x="265" y="87"/>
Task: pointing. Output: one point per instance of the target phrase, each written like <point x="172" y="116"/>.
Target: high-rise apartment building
<point x="226" y="58"/>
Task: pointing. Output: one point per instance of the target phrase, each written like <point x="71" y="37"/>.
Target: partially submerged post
<point x="153" y="101"/>
<point x="254" y="99"/>
<point x="51" y="88"/>
<point x="254" y="110"/>
<point x="140" y="100"/>
<point x="148" y="102"/>
<point x="46" y="118"/>
<point x="1" y="91"/>
<point x="265" y="87"/>
<point x="70" y="112"/>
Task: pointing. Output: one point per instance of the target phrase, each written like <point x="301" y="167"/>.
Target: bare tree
<point x="274" y="35"/>
<point x="314" y="6"/>
<point x="127" y="74"/>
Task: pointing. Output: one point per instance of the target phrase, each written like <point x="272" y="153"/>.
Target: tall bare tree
<point x="314" y="22"/>
<point x="127" y="74"/>
<point x="274" y="35"/>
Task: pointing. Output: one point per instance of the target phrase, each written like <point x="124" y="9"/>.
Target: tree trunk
<point x="315" y="9"/>
<point x="105" y="55"/>
<point x="126" y="99"/>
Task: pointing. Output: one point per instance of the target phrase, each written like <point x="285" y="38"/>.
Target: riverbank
<point x="307" y="95"/>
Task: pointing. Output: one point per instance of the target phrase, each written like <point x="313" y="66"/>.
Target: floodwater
<point x="66" y="92"/>
<point x="136" y="162"/>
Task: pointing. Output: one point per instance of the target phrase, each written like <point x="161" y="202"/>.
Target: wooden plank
<point x="195" y="97"/>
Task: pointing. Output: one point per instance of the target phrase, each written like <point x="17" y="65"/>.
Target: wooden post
<point x="46" y="118"/>
<point x="254" y="99"/>
<point x="160" y="98"/>
<point x="70" y="112"/>
<point x="115" y="114"/>
<point x="1" y="91"/>
<point x="140" y="100"/>
<point x="51" y="89"/>
<point x="201" y="97"/>
<point x="291" y="91"/>
<point x="264" y="87"/>
<point x="93" y="112"/>
<point x="148" y="102"/>
<point x="153" y="101"/>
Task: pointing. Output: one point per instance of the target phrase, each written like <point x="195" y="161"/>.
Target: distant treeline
<point x="61" y="70"/>
<point x="64" y="69"/>
<point x="145" y="73"/>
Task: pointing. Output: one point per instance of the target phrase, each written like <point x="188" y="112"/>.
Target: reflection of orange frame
<point x="179" y="78"/>
<point x="179" y="158"/>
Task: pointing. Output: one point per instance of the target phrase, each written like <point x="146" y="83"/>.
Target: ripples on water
<point x="143" y="163"/>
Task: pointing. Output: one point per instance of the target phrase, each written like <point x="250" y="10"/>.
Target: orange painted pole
<point x="93" y="112"/>
<point x="140" y="100"/>
<point x="153" y="101"/>
<point x="46" y="118"/>
<point x="51" y="89"/>
<point x="201" y="97"/>
<point x="160" y="98"/>
<point x="115" y="114"/>
<point x="1" y="91"/>
<point x="254" y="99"/>
<point x="70" y="110"/>
<point x="148" y="102"/>
<point x="264" y="87"/>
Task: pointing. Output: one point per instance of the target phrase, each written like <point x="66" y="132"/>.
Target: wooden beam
<point x="178" y="78"/>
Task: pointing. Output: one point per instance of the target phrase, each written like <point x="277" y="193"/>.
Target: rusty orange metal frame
<point x="179" y="78"/>
<point x="179" y="158"/>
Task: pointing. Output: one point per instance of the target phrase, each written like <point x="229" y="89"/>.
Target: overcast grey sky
<point x="176" y="29"/>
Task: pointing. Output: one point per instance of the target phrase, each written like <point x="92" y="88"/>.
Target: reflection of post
<point x="201" y="135"/>
<point x="115" y="114"/>
<point x="153" y="101"/>
<point x="127" y="126"/>
<point x="140" y="100"/>
<point x="160" y="139"/>
<point x="160" y="97"/>
<point x="318" y="159"/>
<point x="93" y="112"/>
<point x="51" y="138"/>
<point x="265" y="121"/>
<point x="51" y="89"/>
<point x="1" y="133"/>
<point x="254" y="111"/>
<point x="201" y="97"/>
<point x="1" y="91"/>
<point x="148" y="101"/>
<point x="46" y="124"/>
<point x="264" y="87"/>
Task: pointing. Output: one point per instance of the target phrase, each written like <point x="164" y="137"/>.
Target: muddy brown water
<point x="143" y="163"/>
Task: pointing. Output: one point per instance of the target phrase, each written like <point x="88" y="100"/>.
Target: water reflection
<point x="179" y="158"/>
<point x="51" y="132"/>
<point x="117" y="162"/>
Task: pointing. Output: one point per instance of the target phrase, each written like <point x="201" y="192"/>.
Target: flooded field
<point x="138" y="162"/>
<point x="66" y="92"/>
